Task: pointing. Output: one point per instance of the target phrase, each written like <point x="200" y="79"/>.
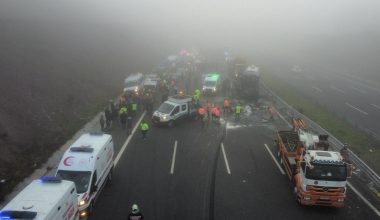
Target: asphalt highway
<point x="223" y="171"/>
<point x="354" y="99"/>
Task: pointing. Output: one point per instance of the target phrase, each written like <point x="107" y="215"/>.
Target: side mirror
<point x="94" y="188"/>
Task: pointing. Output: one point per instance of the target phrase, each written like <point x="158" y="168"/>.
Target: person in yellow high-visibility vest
<point x="144" y="129"/>
<point x="237" y="112"/>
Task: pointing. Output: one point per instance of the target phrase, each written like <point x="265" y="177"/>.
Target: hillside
<point x="53" y="79"/>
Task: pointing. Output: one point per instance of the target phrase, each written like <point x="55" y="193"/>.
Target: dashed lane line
<point x="317" y="89"/>
<point x="274" y="159"/>
<point x="376" y="106"/>
<point x="364" y="199"/>
<point x="225" y="159"/>
<point x="359" y="90"/>
<point x="337" y="89"/>
<point x="173" y="157"/>
<point x="116" y="161"/>
<point x="356" y="108"/>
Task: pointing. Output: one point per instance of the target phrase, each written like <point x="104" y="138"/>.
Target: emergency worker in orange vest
<point x="216" y="113"/>
<point x="226" y="106"/>
<point x="202" y="114"/>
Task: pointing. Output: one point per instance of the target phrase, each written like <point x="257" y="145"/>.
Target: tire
<point x="90" y="208"/>
<point x="171" y="123"/>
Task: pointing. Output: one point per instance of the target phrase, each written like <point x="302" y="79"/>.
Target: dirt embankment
<point x="50" y="85"/>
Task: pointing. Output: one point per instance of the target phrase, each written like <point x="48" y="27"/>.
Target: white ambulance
<point x="44" y="199"/>
<point x="89" y="164"/>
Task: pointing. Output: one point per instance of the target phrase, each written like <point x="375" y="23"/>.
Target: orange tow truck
<point x="319" y="176"/>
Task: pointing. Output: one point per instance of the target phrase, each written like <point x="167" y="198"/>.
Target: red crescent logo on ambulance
<point x="68" y="161"/>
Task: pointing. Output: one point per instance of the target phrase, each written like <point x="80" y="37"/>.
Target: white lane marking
<point x="337" y="89"/>
<point x="283" y="118"/>
<point x="359" y="90"/>
<point x="274" y="159"/>
<point x="173" y="157"/>
<point x="225" y="159"/>
<point x="356" y="108"/>
<point x="376" y="106"/>
<point x="128" y="140"/>
<point x="316" y="88"/>
<point x="364" y="199"/>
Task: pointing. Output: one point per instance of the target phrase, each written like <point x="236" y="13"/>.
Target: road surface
<point x="354" y="99"/>
<point x="221" y="172"/>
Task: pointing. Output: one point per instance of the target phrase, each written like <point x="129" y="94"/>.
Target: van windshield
<point x="210" y="83"/>
<point x="80" y="178"/>
<point x="165" y="108"/>
<point x="131" y="84"/>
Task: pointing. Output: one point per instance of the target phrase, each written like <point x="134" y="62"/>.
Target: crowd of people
<point x="212" y="112"/>
<point x="125" y="110"/>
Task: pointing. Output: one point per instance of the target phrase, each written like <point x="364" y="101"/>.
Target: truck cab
<point x="319" y="176"/>
<point x="133" y="84"/>
<point x="322" y="179"/>
<point x="175" y="109"/>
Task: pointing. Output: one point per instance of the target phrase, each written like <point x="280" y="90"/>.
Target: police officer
<point x="123" y="116"/>
<point x="135" y="214"/>
<point x="144" y="129"/>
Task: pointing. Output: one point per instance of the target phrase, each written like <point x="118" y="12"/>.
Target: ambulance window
<point x="183" y="107"/>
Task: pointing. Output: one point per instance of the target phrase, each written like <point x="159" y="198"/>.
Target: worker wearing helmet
<point x="135" y="214"/>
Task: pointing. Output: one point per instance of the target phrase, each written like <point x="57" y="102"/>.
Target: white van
<point x="134" y="83"/>
<point x="89" y="164"/>
<point x="44" y="199"/>
<point x="176" y="108"/>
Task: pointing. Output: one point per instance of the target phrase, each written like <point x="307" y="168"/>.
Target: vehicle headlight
<point x="136" y="89"/>
<point x="214" y="89"/>
<point x="306" y="198"/>
<point x="164" y="117"/>
<point x="203" y="88"/>
<point x="82" y="202"/>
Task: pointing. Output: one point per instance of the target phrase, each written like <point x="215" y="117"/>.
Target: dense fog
<point x="340" y="35"/>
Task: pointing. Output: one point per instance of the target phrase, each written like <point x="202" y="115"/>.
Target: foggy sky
<point x="323" y="32"/>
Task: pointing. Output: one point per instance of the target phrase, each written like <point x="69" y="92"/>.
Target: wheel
<point x="171" y="123"/>
<point x="90" y="208"/>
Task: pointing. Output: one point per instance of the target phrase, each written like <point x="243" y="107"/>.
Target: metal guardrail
<point x="358" y="163"/>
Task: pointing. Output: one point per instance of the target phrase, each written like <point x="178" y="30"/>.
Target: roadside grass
<point x="362" y="144"/>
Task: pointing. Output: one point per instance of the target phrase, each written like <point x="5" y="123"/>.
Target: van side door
<point x="175" y="113"/>
<point x="184" y="111"/>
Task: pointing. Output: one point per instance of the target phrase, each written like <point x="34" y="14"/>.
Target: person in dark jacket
<point x="102" y="122"/>
<point x="135" y="214"/>
<point x="108" y="116"/>
<point x="123" y="116"/>
<point x="129" y="124"/>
